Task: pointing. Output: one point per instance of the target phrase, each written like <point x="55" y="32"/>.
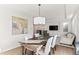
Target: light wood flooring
<point x="16" y="51"/>
<point x="59" y="51"/>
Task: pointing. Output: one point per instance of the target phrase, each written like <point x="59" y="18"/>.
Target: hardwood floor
<point x="16" y="51"/>
<point x="64" y="51"/>
<point x="59" y="51"/>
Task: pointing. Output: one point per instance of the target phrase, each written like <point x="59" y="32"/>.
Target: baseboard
<point x="14" y="51"/>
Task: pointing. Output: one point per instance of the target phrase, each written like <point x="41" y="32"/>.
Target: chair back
<point x="48" y="46"/>
<point x="68" y="39"/>
<point x="54" y="41"/>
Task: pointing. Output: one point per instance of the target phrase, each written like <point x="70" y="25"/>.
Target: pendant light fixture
<point x="39" y="19"/>
<point x="65" y="24"/>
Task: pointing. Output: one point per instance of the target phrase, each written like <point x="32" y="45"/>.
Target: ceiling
<point x="48" y="10"/>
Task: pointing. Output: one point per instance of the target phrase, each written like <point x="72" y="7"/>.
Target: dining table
<point x="31" y="44"/>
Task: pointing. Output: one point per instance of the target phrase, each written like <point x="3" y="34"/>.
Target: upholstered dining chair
<point x="68" y="39"/>
<point x="54" y="43"/>
<point x="47" y="49"/>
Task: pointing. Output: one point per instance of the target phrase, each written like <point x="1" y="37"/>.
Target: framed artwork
<point x="19" y="25"/>
<point x="65" y="27"/>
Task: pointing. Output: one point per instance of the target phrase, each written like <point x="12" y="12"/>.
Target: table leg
<point x="32" y="52"/>
<point x="23" y="50"/>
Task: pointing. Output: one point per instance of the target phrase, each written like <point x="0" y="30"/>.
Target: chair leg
<point x="55" y="48"/>
<point x="32" y="52"/>
<point x="25" y="51"/>
<point x="52" y="51"/>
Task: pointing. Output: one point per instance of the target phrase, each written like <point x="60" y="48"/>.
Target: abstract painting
<point x="19" y="25"/>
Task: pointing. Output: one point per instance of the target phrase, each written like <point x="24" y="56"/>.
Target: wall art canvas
<point x="19" y="25"/>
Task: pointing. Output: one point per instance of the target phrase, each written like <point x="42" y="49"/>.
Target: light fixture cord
<point x="65" y="11"/>
<point x="39" y="8"/>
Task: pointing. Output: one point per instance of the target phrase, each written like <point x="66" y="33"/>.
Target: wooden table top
<point x="33" y="42"/>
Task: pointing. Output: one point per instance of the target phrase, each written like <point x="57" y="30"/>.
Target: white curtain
<point x="75" y="27"/>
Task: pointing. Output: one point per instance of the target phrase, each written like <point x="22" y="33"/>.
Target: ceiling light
<point x="39" y="19"/>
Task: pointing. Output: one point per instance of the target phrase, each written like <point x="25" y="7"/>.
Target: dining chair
<point x="47" y="49"/>
<point x="68" y="41"/>
<point x="54" y="44"/>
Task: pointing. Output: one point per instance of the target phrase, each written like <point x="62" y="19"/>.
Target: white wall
<point x="54" y="21"/>
<point x="7" y="40"/>
<point x="60" y="19"/>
